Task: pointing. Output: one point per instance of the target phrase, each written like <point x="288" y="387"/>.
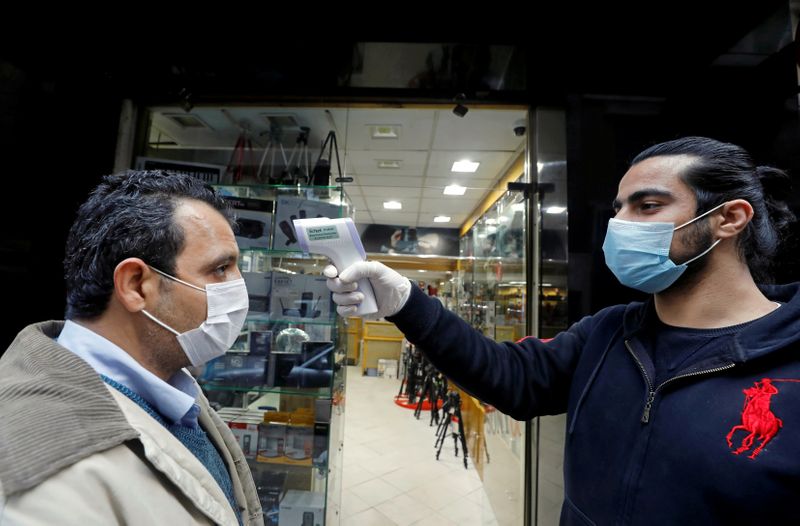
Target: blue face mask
<point x="637" y="252"/>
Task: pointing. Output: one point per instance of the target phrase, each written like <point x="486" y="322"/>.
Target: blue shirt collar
<point x="175" y="399"/>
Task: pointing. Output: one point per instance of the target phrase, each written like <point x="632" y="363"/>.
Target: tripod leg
<point x="440" y="441"/>
<point x="418" y="410"/>
<point x="463" y="437"/>
<point x="263" y="158"/>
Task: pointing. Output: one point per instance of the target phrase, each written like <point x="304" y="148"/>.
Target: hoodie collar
<point x="769" y="333"/>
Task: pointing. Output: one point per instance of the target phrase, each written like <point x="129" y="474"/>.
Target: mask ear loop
<point x="170" y="329"/>
<point x="173" y="278"/>
<point x="702" y="253"/>
<point x="715" y="242"/>
<point x="692" y="220"/>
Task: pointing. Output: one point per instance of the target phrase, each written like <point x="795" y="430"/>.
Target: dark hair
<point x="723" y="172"/>
<point x="129" y="214"/>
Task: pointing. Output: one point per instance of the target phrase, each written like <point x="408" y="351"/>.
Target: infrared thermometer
<point x="337" y="239"/>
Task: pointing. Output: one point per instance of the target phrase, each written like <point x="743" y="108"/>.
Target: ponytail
<point x="777" y="185"/>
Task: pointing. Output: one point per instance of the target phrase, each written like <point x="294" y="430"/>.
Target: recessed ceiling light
<point x="385" y="131"/>
<point x="491" y="221"/>
<point x="555" y="209"/>
<point x="282" y="121"/>
<point x="454" y="189"/>
<point x="518" y="207"/>
<point x="491" y="229"/>
<point x="441" y="219"/>
<point x="389" y="163"/>
<point x="503" y="219"/>
<point x="392" y="205"/>
<point x="465" y="166"/>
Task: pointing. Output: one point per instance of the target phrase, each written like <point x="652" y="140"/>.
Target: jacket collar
<point x="768" y="334"/>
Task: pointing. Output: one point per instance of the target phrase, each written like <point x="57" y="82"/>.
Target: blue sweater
<point x="639" y="452"/>
<point x="195" y="440"/>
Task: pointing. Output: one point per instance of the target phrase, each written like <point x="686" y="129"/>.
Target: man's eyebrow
<point x="222" y="260"/>
<point x="641" y="194"/>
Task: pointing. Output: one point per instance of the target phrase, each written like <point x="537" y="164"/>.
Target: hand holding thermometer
<point x="337" y="239"/>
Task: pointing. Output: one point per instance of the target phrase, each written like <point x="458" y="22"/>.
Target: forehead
<point x="207" y="233"/>
<point x="657" y="172"/>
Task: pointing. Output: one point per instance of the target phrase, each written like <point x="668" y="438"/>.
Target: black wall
<point x="754" y="107"/>
<point x="57" y="138"/>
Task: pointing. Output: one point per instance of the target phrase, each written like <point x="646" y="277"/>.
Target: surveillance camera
<point x="519" y="127"/>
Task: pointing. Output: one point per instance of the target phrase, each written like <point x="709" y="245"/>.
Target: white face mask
<point x="227" y="309"/>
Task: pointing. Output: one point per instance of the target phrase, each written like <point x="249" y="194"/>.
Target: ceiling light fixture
<point x="389" y="163"/>
<point x="441" y="219"/>
<point x="385" y="131"/>
<point x="454" y="189"/>
<point x="465" y="166"/>
<point x="392" y="205"/>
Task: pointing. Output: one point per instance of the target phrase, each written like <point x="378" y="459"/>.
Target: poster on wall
<point x="392" y="239"/>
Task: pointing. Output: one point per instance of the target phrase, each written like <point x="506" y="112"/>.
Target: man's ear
<point x="736" y="215"/>
<point x="133" y="283"/>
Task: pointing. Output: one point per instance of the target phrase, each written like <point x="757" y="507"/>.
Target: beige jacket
<point x="148" y="477"/>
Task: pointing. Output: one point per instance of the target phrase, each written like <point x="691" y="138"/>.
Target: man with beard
<point x="683" y="409"/>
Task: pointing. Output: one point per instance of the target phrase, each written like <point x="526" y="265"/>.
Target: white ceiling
<point x="429" y="141"/>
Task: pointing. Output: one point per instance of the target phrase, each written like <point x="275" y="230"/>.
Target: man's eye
<point x="221" y="269"/>
<point x="650" y="206"/>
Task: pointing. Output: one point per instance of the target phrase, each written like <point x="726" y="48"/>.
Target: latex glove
<point x="391" y="289"/>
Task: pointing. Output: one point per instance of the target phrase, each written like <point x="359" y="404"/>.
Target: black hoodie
<point x="686" y="451"/>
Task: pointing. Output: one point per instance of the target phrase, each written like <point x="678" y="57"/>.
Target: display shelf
<point x="321" y="392"/>
<point x="258" y="318"/>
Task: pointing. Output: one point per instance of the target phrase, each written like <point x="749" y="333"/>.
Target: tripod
<point x="433" y="387"/>
<point x="451" y="409"/>
<point x="294" y="172"/>
<point x="273" y="145"/>
<point x="407" y="359"/>
<point x="237" y="163"/>
<point x="322" y="169"/>
<point x="416" y="375"/>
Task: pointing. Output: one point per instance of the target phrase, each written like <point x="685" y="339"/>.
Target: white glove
<point x="391" y="289"/>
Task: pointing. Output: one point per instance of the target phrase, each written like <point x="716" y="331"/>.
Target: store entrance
<point x="426" y="189"/>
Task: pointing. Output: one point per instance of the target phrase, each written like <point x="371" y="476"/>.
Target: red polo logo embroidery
<point x="757" y="418"/>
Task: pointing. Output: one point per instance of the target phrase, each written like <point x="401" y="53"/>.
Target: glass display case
<point x="281" y="386"/>
<point x="492" y="296"/>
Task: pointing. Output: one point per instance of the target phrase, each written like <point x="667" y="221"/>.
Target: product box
<point x="259" y="286"/>
<point x="245" y="429"/>
<point x="290" y="208"/>
<point x="300" y="297"/>
<point x="260" y="342"/>
<point x="387" y="368"/>
<point x="253" y="221"/>
<point x="236" y="369"/>
<point x="302" y="508"/>
<point x="242" y="342"/>
<point x="271" y="486"/>
<point x="311" y="368"/>
<point x="208" y="173"/>
<point x="229" y="414"/>
<point x="319" y="454"/>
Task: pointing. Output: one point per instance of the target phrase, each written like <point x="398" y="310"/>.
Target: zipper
<point x="651" y="394"/>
